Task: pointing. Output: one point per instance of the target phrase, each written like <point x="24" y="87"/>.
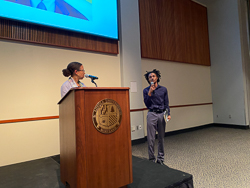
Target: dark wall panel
<point x="202" y="54"/>
<point x="174" y="30"/>
<point x="24" y="32"/>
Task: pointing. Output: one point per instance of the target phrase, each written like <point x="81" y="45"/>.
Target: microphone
<point x="91" y="76"/>
<point x="152" y="83"/>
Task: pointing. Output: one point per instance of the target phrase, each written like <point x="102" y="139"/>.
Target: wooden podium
<point x="88" y="157"/>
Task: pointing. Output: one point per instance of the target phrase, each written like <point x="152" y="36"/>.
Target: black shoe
<point x="161" y="163"/>
<point x="152" y="160"/>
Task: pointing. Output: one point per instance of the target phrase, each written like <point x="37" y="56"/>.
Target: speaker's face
<point x="81" y="72"/>
<point x="152" y="77"/>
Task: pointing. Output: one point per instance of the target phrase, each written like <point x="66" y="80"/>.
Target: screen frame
<point x="116" y="37"/>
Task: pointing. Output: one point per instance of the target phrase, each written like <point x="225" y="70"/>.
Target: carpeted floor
<point x="216" y="157"/>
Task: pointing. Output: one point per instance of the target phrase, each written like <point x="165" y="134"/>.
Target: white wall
<point x="131" y="60"/>
<point x="226" y="63"/>
<point x="187" y="84"/>
<point x="26" y="141"/>
<point x="244" y="33"/>
<point x="31" y="77"/>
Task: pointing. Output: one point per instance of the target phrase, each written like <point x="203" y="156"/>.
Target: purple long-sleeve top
<point x="158" y="99"/>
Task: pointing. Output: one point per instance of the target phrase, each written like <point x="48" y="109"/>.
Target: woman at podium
<point x="75" y="72"/>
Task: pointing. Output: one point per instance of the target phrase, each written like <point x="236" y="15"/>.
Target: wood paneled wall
<point x="24" y="32"/>
<point x="174" y="30"/>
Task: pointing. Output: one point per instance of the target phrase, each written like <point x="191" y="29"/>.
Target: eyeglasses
<point x="82" y="70"/>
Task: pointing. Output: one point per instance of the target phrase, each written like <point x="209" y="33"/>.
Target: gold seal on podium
<point x="107" y="116"/>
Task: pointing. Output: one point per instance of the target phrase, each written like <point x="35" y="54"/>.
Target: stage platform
<point x="147" y="174"/>
<point x="45" y="173"/>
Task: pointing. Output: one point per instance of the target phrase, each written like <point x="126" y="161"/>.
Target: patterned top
<point x="70" y="83"/>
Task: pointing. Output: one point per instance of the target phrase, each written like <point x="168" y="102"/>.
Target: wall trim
<point x="56" y="117"/>
<point x="176" y="106"/>
<point x="231" y="126"/>
<point x="28" y="119"/>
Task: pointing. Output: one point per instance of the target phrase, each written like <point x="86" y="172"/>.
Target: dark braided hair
<point x="157" y="72"/>
<point x="71" y="69"/>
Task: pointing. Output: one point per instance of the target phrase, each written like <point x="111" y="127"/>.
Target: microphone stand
<point x="92" y="80"/>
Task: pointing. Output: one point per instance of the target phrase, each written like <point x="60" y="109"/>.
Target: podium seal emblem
<point x="107" y="116"/>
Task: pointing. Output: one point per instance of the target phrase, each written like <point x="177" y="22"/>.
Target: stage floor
<point x="147" y="174"/>
<point x="45" y="173"/>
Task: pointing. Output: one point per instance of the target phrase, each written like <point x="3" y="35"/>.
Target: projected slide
<point x="97" y="17"/>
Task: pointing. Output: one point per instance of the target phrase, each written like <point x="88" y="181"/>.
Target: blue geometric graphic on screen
<point x="57" y="6"/>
